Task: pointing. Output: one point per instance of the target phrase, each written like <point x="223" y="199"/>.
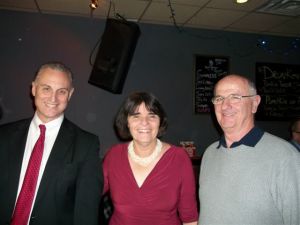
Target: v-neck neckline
<point x="151" y="172"/>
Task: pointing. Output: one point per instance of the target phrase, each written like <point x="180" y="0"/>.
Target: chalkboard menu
<point x="208" y="70"/>
<point x="279" y="88"/>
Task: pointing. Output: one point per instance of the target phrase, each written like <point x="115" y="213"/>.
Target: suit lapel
<point x="60" y="155"/>
<point x="17" y="148"/>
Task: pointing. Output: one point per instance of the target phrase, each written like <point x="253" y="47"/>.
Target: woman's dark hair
<point x="129" y="107"/>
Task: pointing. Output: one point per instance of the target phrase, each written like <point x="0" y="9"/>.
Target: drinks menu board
<point x="208" y="70"/>
<point x="279" y="88"/>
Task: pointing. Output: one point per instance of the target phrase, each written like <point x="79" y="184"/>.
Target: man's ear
<point x="255" y="103"/>
<point x="71" y="93"/>
<point x="33" y="88"/>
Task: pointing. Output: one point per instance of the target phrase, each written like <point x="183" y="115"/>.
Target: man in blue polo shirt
<point x="249" y="176"/>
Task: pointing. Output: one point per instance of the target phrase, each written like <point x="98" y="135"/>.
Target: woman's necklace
<point x="144" y="161"/>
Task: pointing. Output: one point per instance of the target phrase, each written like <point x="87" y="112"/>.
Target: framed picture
<point x="279" y="88"/>
<point x="208" y="70"/>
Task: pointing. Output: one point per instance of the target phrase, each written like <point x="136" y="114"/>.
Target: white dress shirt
<point x="52" y="129"/>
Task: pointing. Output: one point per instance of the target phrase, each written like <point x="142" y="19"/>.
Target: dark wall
<point x="163" y="64"/>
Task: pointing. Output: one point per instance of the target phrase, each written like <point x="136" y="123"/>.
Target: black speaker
<point x="114" y="55"/>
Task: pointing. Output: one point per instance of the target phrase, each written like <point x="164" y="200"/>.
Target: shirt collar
<point x="250" y="139"/>
<point x="53" y="123"/>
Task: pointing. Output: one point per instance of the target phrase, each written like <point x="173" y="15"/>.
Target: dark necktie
<point x="25" y="198"/>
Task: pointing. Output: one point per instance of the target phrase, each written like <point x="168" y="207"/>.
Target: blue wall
<point x="163" y="64"/>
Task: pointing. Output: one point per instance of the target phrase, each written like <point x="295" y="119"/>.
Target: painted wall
<point x="163" y="64"/>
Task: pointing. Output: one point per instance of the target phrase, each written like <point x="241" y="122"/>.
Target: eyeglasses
<point x="233" y="98"/>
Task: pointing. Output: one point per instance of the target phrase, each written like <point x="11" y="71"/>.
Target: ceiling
<point x="283" y="19"/>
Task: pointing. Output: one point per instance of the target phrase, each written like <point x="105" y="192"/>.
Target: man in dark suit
<point x="69" y="183"/>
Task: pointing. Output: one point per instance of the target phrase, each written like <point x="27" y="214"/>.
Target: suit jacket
<point x="71" y="186"/>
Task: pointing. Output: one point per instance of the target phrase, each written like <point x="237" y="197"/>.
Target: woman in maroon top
<point x="150" y="182"/>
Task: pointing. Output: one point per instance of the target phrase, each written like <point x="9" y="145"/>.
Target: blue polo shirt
<point x="250" y="139"/>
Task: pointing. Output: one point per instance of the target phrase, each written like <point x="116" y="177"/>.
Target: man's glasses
<point x="233" y="98"/>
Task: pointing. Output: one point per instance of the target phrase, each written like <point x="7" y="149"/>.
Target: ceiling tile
<point x="230" y="4"/>
<point x="259" y="22"/>
<point x="198" y="3"/>
<point x="26" y="5"/>
<point x="217" y="18"/>
<point x="66" y="6"/>
<point x="208" y="14"/>
<point x="129" y="9"/>
<point x="161" y="12"/>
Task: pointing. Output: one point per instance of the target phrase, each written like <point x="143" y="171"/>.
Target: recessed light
<point x="241" y="1"/>
<point x="94" y="4"/>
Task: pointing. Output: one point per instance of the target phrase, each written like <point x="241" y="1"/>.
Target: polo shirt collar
<point x="250" y="139"/>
